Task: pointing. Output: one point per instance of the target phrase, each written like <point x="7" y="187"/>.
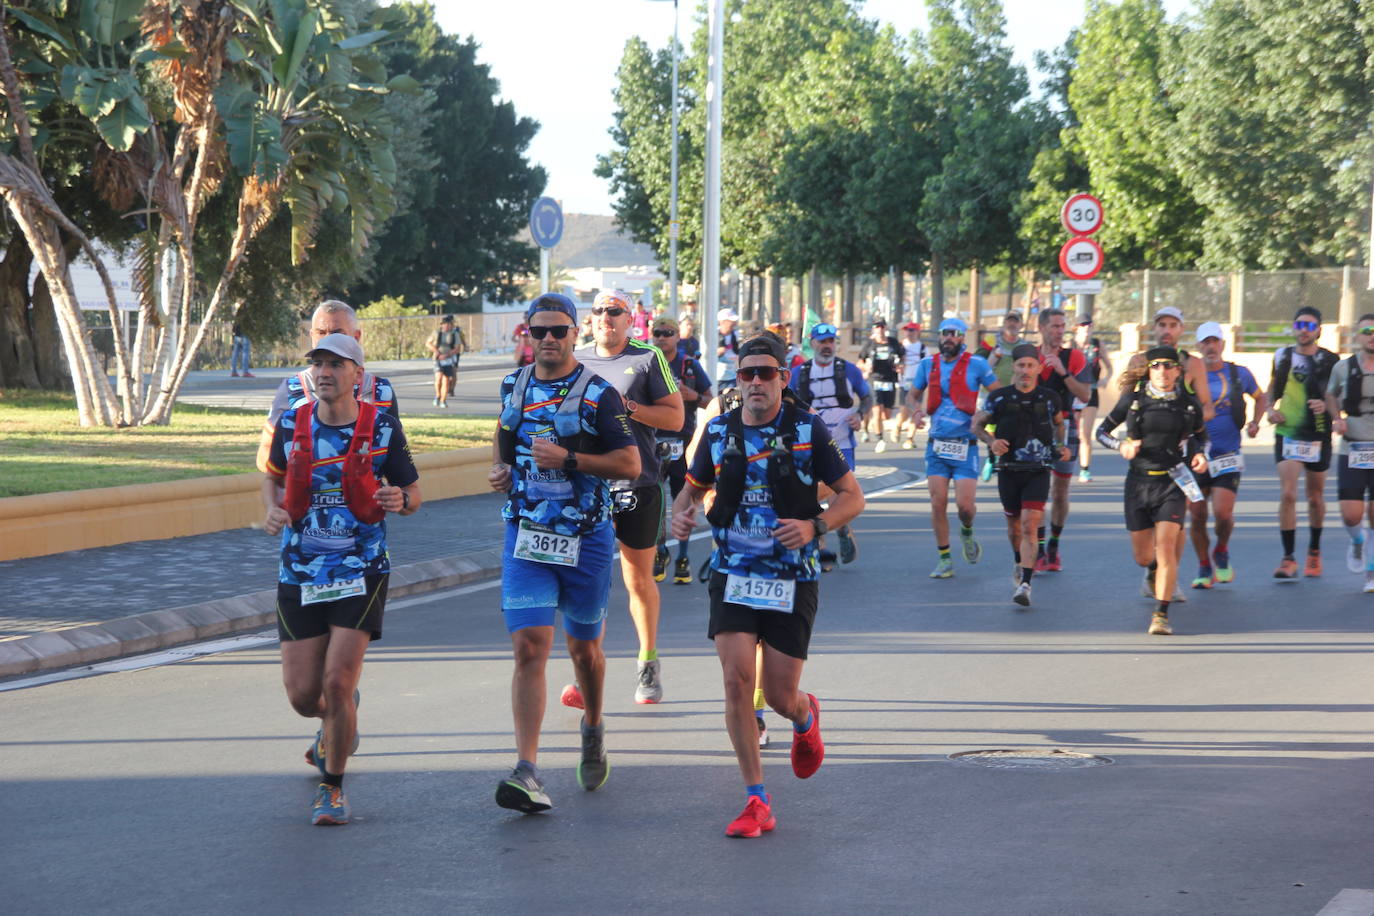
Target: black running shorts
<point x="1314" y="466"/>
<point x="1353" y="483"/>
<point x="1229" y="481"/>
<point x="790" y="633"/>
<point x="636" y="527"/>
<point x="1023" y="488"/>
<point x="1153" y="499"/>
<point x="360" y="612"/>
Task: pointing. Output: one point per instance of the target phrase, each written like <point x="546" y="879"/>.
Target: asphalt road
<point x="1239" y="780"/>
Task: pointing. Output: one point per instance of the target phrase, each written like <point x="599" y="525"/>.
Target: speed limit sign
<point x="1081" y="214"/>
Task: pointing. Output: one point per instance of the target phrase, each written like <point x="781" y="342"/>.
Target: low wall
<point x="49" y="523"/>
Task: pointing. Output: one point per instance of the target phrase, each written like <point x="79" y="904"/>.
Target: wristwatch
<point x="821" y="527"/>
<point x="405" y="500"/>
<point x="570" y="462"/>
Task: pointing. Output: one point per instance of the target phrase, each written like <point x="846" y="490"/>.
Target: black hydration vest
<point x="1354" y="388"/>
<point x="1323" y="361"/>
<point x="1021" y="417"/>
<point x="842" y="395"/>
<point x="1056" y="384"/>
<point x="1237" y="396"/>
<point x="791" y="497"/>
<point x="1185" y="404"/>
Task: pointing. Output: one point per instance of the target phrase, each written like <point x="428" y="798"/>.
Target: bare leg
<point x="527" y="688"/>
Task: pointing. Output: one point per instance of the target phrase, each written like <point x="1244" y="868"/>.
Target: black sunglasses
<point x="665" y="333"/>
<point x="614" y="311"/>
<point x="763" y="373"/>
<point x="1164" y="364"/>
<point x="559" y="331"/>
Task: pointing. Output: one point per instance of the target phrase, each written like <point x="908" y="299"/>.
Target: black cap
<point x="1021" y="351"/>
<point x="764" y="345"/>
<point x="1155" y="353"/>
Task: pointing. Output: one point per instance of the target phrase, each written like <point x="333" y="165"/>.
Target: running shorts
<point x="1353" y="483"/>
<point x="637" y="525"/>
<point x="942" y="467"/>
<point x="1151" y="499"/>
<point x="790" y="633"/>
<point x="886" y="399"/>
<point x="1067" y="468"/>
<point x="1315" y="467"/>
<point x="358" y="612"/>
<point x="532" y="592"/>
<point x="1229" y="481"/>
<point x="1023" y="488"/>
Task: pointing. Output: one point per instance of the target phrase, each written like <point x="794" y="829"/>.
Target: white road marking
<point x="1350" y="902"/>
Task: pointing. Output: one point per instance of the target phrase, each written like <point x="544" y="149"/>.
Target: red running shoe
<point x="808" y="750"/>
<point x="754" y="820"/>
<point x="1042" y="563"/>
<point x="1053" y="563"/>
<point x="572" y="697"/>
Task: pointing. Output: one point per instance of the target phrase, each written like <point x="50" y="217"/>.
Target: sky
<point x="521" y="39"/>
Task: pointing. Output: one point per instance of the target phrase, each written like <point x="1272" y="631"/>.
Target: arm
<point x="276" y="518"/>
<point x="617" y="464"/>
<point x="915" y="400"/>
<point x="665" y="413"/>
<point x="1197" y="378"/>
<point x="279" y="403"/>
<point x="1114" y="418"/>
<point x="980" y="423"/>
<point x="1106" y="371"/>
<point x="1334" y="390"/>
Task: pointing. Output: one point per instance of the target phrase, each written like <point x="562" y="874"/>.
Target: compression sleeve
<point x="1114" y="418"/>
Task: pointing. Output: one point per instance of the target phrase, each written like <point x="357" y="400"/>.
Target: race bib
<point x="1361" y="456"/>
<point x="885" y="386"/>
<point x="670" y="449"/>
<point x="764" y="594"/>
<point x="318" y="594"/>
<point x="1230" y="463"/>
<point x="1299" y="450"/>
<point x="955" y="450"/>
<point x="540" y="545"/>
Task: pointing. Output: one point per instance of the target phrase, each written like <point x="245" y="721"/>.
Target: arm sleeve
<point x="1113" y="419"/>
<point x="399" y="466"/>
<point x="828" y="462"/>
<point x="612" y="424"/>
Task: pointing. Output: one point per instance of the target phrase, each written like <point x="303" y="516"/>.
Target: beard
<point x="951" y="347"/>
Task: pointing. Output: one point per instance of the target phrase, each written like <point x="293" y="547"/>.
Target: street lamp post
<point x="710" y="268"/>
<point x="674" y="226"/>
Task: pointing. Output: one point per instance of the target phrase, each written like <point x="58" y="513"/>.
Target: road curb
<point x="85" y="644"/>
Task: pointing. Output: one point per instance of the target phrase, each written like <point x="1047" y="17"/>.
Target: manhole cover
<point x="1029" y="759"/>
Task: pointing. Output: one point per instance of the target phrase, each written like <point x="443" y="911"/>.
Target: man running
<point x="1228" y="384"/>
<point x="330" y="317"/>
<point x="562" y="435"/>
<point x="881" y="360"/>
<point x="653" y="403"/>
<point x="331" y="584"/>
<point x="945" y="389"/>
<point x="727" y="342"/>
<point x="1302" y="438"/>
<point x="1065" y="372"/>
<point x="1000" y="357"/>
<point x="696" y="392"/>
<point x="446" y="345"/>
<point x="837" y="391"/>
<point x="1351" y="392"/>
<point x="764" y="460"/>
<point x="913" y="351"/>
<point x="1099" y="370"/>
<point x="1031" y="436"/>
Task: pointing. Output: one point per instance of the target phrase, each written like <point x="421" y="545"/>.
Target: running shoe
<point x="247" y="374"/>
<point x="763" y="730"/>
<point x="1354" y="557"/>
<point x="436" y="402"/>
<point x="986" y="473"/>
<point x="881" y="446"/>
<point x="1085" y="476"/>
<point x="849" y="548"/>
<point x="908" y="444"/>
<point x="973" y="551"/>
<point x="1159" y="625"/>
<point x="594" y="768"/>
<point x="863" y="436"/>
<point x="522" y="791"/>
<point x="1205" y="578"/>
<point x="1313" y="566"/>
<point x="650" y="687"/>
<point x="1042" y="563"/>
<point x="943" y="570"/>
<point x="1147" y="585"/>
<point x="330" y="807"/>
<point x="1287" y="571"/>
<point x="808" y="750"/>
<point x="1022" y="594"/>
<point x="1053" y="562"/>
<point x="661" y="558"/>
<point x="682" y="572"/>
<point x="1369" y="582"/>
<point x="1221" y="565"/>
<point x="1178" y="597"/>
<point x="443" y="404"/>
<point x="756" y="818"/>
<point x="571" y="697"/>
<point x="827" y="558"/>
<point x="233" y="375"/>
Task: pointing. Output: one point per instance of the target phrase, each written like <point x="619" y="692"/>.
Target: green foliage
<point x="390" y="307"/>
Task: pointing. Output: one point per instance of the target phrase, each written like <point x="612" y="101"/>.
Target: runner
<point x="1159" y="414"/>
<point x="653" y="403"/>
<point x="830" y="385"/>
<point x="1065" y="373"/>
<point x="330" y="317"/>
<point x="446" y="345"/>
<point x="1228" y="384"/>
<point x="1030" y="437"/>
<point x="727" y="342"/>
<point x="948" y="395"/>
<point x="913" y="351"/>
<point x="687" y="338"/>
<point x="1099" y="370"/>
<point x="1351" y="391"/>
<point x="881" y="360"/>
<point x="562" y="435"/>
<point x="331" y="584"/>
<point x="764" y="460"/>
<point x="696" y="391"/>
<point x="999" y="355"/>
<point x="1302" y="438"/>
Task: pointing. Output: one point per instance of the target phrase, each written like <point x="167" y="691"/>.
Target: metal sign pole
<point x="543" y="270"/>
<point x="710" y="268"/>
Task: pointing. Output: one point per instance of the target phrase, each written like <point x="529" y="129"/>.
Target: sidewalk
<point x="83" y="606"/>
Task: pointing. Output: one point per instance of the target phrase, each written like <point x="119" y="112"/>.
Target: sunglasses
<point x="1306" y="326"/>
<point x="821" y="331"/>
<point x="1164" y="364"/>
<point x="762" y="373"/>
<point x="559" y="331"/>
<point x="665" y="333"/>
<point x="1365" y="330"/>
<point x="951" y="333"/>
<point x="614" y="311"/>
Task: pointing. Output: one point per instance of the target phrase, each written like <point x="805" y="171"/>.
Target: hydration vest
<point x="843" y="397"/>
<point x="964" y="398"/>
<point x="1185" y="403"/>
<point x="1237" y="395"/>
<point x="1323" y="361"/>
<point x="567" y="420"/>
<point x="791" y="497"/>
<point x="731" y="399"/>
<point x="1021" y="417"/>
<point x="359" y="482"/>
<point x="1354" y="388"/>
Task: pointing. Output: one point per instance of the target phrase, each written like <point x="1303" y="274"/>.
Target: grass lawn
<point x="43" y="450"/>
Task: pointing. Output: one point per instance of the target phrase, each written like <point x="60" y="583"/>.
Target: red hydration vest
<point x="359" y="483"/>
<point x="965" y="398"/>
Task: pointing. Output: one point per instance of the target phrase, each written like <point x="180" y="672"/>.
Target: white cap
<point x="727" y="315"/>
<point x="340" y="345"/>
<point x="1209" y="329"/>
<point x="1170" y="312"/>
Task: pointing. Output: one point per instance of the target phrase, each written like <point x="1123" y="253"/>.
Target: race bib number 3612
<point x="764" y="594"/>
<point x="542" y="546"/>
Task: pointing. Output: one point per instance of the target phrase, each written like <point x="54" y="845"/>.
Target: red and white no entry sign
<point x="1081" y="214"/>
<point x="1080" y="258"/>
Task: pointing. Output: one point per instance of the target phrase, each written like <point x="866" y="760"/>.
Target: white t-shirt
<point x="913" y="352"/>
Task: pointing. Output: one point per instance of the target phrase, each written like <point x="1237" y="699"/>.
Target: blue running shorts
<point x="532" y="592"/>
<point x="965" y="470"/>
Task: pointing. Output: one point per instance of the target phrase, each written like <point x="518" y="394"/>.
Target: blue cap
<point x="823" y="330"/>
<point x="954" y="324"/>
<point x="553" y="302"/>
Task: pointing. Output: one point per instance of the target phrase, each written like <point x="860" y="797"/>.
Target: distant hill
<point x="595" y="241"/>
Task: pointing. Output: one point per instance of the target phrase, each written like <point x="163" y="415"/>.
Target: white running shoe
<point x="1022" y="594"/>
<point x="1354" y="557"/>
<point x="881" y="446"/>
